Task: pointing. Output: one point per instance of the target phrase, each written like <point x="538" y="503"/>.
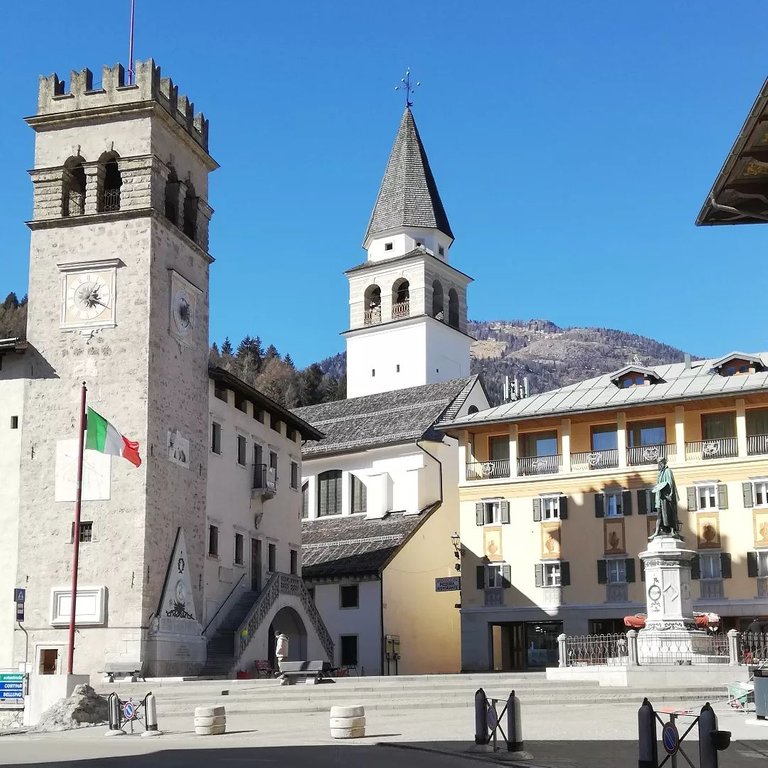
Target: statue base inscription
<point x="670" y="633"/>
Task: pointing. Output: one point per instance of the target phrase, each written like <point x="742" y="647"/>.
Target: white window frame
<point x="618" y="510"/>
<point x="494" y="578"/>
<point x="552" y="574"/>
<point x="760" y="482"/>
<point x="550" y="507"/>
<point x="709" y="490"/>
<point x="494" y="505"/>
<point x="712" y="571"/>
<point x="616" y="570"/>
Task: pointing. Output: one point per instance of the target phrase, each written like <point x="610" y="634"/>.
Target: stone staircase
<point x="221" y="646"/>
<point x="399" y="694"/>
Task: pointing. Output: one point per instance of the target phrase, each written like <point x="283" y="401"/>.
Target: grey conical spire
<point x="408" y="195"/>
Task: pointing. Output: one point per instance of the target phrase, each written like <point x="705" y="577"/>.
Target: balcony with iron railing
<point x="372" y="316"/>
<point x="264" y="481"/>
<point x="401" y="310"/>
<point x="716" y="448"/>
<point x="586" y="460"/>
<point x="757" y="445"/>
<point x="539" y="465"/>
<point x="488" y="470"/>
<point x="649" y="454"/>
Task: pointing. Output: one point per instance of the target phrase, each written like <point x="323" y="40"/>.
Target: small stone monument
<point x="670" y="628"/>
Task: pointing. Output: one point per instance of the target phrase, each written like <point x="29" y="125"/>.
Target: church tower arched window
<point x="73" y="188"/>
<point x="400" y="299"/>
<point x="111" y="182"/>
<point x="372" y="305"/>
<point x="172" y="197"/>
<point x="190" y="213"/>
<point x="453" y="308"/>
<point x="437" y="300"/>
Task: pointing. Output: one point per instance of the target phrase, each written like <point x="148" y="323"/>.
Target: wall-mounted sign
<point x="448" y="584"/>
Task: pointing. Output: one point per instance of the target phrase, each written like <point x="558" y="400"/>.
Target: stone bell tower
<point x="408" y="305"/>
<point x="118" y="298"/>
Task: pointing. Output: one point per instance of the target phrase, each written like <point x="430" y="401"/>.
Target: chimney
<point x="687" y="360"/>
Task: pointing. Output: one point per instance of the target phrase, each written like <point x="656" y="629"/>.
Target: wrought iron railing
<point x="753" y="647"/>
<point x="372" y="316"/>
<point x="401" y="309"/>
<point x="682" y="650"/>
<point x="584" y="460"/>
<point x="650" y="454"/>
<point x="74" y="203"/>
<point x="487" y="470"/>
<point x="539" y="465"/>
<point x="589" y="650"/>
<point x="280" y="584"/>
<point x="717" y="448"/>
<point x="757" y="445"/>
<point x="110" y="200"/>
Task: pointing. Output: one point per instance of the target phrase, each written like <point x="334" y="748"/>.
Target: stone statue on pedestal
<point x="665" y="499"/>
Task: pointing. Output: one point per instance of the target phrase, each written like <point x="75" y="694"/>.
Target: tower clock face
<point x="183" y="312"/>
<point x="88" y="298"/>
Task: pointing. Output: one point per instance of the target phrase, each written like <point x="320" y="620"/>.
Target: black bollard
<point x="710" y="739"/>
<point x="514" y="725"/>
<point x="648" y="755"/>
<point x="113" y="708"/>
<point x="481" y="723"/>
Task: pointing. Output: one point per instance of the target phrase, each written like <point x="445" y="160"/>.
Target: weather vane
<point x="408" y="87"/>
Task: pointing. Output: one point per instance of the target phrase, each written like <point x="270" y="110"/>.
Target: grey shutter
<point x="746" y="489"/>
<point x="481" y="577"/>
<point x="506" y="576"/>
<point x="752" y="565"/>
<point x="565" y="573"/>
<point x="695" y="567"/>
<point x="599" y="505"/>
<point x="722" y="496"/>
<point x="563" y="507"/>
<point x="479" y="513"/>
<point x="642" y="501"/>
<point x="602" y="572"/>
<point x="629" y="568"/>
<point x="692" y="497"/>
<point x="537" y="510"/>
<point x="725" y="565"/>
<point x="626" y="503"/>
<point x="505" y="511"/>
<point x="538" y="574"/>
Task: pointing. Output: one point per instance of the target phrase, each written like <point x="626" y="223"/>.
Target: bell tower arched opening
<point x="372" y="305"/>
<point x="437" y="300"/>
<point x="453" y="308"/>
<point x="401" y="299"/>
<point x="73" y="187"/>
<point x="112" y="181"/>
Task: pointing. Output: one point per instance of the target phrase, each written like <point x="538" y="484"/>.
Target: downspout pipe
<point x="440" y="466"/>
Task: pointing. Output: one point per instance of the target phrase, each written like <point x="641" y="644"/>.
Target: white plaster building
<point x="118" y="298"/>
<point x="380" y="489"/>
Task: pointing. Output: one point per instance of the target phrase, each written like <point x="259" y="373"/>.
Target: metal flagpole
<point x="76" y="532"/>
<point x="130" y="44"/>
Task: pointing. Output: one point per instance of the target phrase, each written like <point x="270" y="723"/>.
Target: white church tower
<point x="408" y="306"/>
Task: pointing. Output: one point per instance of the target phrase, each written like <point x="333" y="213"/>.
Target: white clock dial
<point x="183" y="311"/>
<point x="88" y="296"/>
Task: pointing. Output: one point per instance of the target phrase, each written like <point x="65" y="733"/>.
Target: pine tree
<point x="226" y="348"/>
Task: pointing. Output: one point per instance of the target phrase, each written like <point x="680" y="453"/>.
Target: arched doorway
<point x="288" y="622"/>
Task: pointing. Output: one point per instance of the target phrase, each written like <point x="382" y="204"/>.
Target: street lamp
<point x="456" y="541"/>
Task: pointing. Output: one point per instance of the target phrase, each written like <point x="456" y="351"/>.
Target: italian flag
<point x="103" y="437"/>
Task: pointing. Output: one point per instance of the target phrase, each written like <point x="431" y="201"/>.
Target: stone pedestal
<point x="175" y="647"/>
<point x="670" y="634"/>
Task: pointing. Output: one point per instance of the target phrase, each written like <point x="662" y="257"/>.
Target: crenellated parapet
<point x="148" y="85"/>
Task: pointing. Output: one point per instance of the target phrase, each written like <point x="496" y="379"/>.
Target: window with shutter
<point x="563" y="507"/>
<point x="537" y="510"/>
<point x="479" y="513"/>
<point x="602" y="572"/>
<point x="626" y="503"/>
<point x="722" y="496"/>
<point x="746" y="490"/>
<point x="725" y="565"/>
<point x="752" y="565"/>
<point x="696" y="567"/>
<point x="759" y="496"/>
<point x="642" y="501"/>
<point x="692" y="498"/>
<point x="599" y="505"/>
<point x="504" y="511"/>
<point x="480" y="577"/>
<point x="506" y="576"/>
<point x="538" y="574"/>
<point x="629" y="570"/>
<point x="565" y="573"/>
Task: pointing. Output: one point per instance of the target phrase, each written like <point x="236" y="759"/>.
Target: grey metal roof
<point x="386" y="418"/>
<point x="354" y="545"/>
<point x="408" y="195"/>
<point x="678" y="382"/>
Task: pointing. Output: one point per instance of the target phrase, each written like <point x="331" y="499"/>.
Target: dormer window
<point x="634" y="376"/>
<point x="388" y="246"/>
<point x="738" y="363"/>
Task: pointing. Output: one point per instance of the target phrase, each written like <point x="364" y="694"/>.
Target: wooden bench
<point x="132" y="669"/>
<point x="310" y="672"/>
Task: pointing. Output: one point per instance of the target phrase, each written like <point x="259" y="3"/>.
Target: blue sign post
<point x="11" y="686"/>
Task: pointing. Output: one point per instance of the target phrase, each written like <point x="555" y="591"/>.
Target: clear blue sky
<point x="573" y="144"/>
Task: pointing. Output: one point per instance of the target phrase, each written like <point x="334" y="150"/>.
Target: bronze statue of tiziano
<point x="665" y="502"/>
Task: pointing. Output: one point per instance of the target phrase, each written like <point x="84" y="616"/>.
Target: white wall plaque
<point x="178" y="449"/>
<point x="89" y="609"/>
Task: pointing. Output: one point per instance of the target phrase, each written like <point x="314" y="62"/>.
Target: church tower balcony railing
<point x="372" y="316"/>
<point x="401" y="309"/>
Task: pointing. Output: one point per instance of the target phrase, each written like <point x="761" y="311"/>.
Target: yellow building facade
<point x="555" y="503"/>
